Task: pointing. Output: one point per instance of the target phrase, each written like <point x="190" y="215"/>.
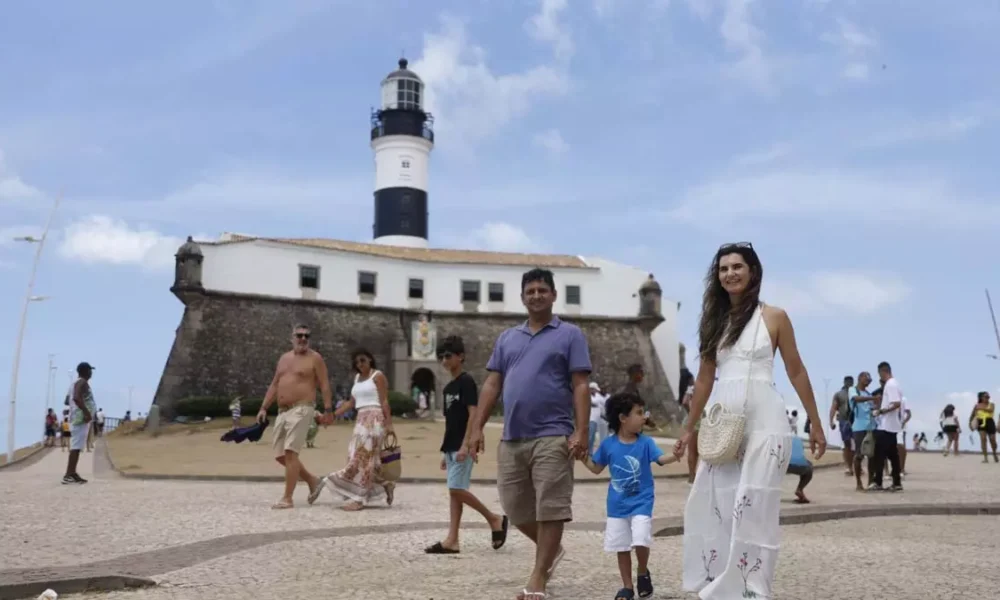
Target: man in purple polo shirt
<point x="542" y="366"/>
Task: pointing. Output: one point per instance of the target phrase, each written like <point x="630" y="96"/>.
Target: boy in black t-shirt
<point x="461" y="401"/>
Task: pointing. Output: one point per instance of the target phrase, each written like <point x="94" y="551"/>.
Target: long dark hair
<point x="717" y="311"/>
<point x="362" y="352"/>
<point x="981" y="397"/>
<point x="949" y="410"/>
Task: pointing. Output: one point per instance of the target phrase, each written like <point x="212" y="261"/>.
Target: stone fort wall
<point x="229" y="344"/>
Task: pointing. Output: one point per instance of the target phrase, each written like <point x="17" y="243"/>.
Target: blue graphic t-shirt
<point x="862" y="411"/>
<point x="798" y="458"/>
<point x="630" y="491"/>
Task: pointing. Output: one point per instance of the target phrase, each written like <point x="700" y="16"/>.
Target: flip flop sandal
<point x="499" y="538"/>
<point x="438" y="548"/>
<point x="533" y="595"/>
<point x="644" y="584"/>
<point x="315" y="492"/>
<point x="282" y="506"/>
<point x="625" y="594"/>
<point x="555" y="563"/>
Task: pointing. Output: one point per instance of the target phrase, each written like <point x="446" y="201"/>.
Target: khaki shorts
<point x="535" y="480"/>
<point x="291" y="428"/>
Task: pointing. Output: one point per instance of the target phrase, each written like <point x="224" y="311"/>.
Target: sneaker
<point x="896" y="488"/>
<point x="78" y="479"/>
<point x="67" y="480"/>
<point x="875" y="488"/>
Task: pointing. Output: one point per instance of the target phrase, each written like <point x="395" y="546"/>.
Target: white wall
<point x="270" y="268"/>
<point x="391" y="151"/>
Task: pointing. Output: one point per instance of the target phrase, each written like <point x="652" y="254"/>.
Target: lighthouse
<point x="402" y="137"/>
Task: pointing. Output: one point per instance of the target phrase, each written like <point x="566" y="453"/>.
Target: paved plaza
<point x="207" y="540"/>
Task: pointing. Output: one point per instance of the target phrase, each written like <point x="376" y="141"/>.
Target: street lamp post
<point x="28" y="299"/>
<point x="48" y="385"/>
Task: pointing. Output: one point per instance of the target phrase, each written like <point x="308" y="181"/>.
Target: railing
<point x="401" y="125"/>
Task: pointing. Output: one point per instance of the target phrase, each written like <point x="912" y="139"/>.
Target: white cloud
<point x="551" y="140"/>
<point x="855" y="45"/>
<point x="837" y="195"/>
<point x="927" y="130"/>
<point x="472" y="102"/>
<point x="101" y="239"/>
<point x="838" y="292"/>
<point x="498" y="237"/>
<point x="12" y="187"/>
<point x="743" y="37"/>
<point x="545" y="26"/>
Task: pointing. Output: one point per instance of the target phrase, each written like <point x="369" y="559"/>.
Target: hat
<point x="84" y="366"/>
<point x="594" y="386"/>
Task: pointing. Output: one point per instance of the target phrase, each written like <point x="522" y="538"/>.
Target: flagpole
<point x="996" y="330"/>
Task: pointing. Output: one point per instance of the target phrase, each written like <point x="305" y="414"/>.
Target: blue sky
<point x="850" y="141"/>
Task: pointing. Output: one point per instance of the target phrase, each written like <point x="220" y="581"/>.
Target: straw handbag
<point x="392" y="458"/>
<point x="721" y="433"/>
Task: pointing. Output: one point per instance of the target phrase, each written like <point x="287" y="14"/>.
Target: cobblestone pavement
<point x="48" y="525"/>
<point x="931" y="557"/>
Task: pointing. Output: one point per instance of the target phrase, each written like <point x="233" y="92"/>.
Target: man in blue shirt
<point x="861" y="406"/>
<point x="543" y="367"/>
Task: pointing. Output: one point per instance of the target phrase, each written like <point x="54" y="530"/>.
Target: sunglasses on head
<point x="302" y="336"/>
<point x="736" y="246"/>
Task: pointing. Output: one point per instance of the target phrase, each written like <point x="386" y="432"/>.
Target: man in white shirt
<point x="598" y="426"/>
<point x="888" y="425"/>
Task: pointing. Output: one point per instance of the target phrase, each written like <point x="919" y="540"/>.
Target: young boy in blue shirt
<point x="628" y="454"/>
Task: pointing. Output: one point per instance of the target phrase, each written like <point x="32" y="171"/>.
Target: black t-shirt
<point x="459" y="395"/>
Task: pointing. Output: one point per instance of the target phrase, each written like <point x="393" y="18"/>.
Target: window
<point x="417" y="289"/>
<point x="309" y="277"/>
<point x="406" y="164"/>
<point x="573" y="294"/>
<point x="470" y="291"/>
<point x="366" y="283"/>
<point x="405" y="200"/>
<point x="408" y="94"/>
<point x="496" y="292"/>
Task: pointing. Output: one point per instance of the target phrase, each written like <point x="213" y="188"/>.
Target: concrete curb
<point x="79" y="585"/>
<point x="27" y="460"/>
<point x="106" y="457"/>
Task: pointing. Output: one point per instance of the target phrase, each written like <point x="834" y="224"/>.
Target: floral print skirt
<point x="361" y="480"/>
<point x="731" y="520"/>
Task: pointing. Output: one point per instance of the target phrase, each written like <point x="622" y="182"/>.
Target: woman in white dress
<point x="731" y="527"/>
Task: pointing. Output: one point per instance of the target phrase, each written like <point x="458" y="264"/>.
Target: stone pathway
<point x="127" y="527"/>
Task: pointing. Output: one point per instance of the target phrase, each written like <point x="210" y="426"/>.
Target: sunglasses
<point x="302" y="336"/>
<point x="736" y="246"/>
<point x="445" y="355"/>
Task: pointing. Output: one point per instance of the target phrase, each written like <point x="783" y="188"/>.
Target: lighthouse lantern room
<point x="402" y="137"/>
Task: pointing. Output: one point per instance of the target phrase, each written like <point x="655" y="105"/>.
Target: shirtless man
<point x="299" y="373"/>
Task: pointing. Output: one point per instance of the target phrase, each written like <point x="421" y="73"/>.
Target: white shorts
<point x="621" y="535"/>
<point x="78" y="436"/>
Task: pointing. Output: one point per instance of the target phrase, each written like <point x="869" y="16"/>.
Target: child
<point x="629" y="453"/>
<point x="460" y="404"/>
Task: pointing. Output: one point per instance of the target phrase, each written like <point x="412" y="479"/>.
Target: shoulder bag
<point x="721" y="432"/>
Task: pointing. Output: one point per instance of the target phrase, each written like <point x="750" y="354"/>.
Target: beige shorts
<point x="535" y="480"/>
<point x="291" y="428"/>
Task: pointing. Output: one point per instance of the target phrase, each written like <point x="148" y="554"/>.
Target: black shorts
<point x="950" y="429"/>
<point x="988" y="425"/>
<point x="859" y="436"/>
<point x="50" y="432"/>
<point x="65" y="434"/>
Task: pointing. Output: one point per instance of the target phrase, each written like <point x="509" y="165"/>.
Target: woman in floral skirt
<point x="731" y="527"/>
<point x="361" y="480"/>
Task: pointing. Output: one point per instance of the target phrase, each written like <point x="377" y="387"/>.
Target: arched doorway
<point x="422" y="382"/>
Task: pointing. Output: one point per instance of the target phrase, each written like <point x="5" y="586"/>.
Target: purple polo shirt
<point x="537" y="373"/>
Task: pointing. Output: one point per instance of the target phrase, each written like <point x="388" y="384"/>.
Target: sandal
<point x="499" y="538"/>
<point x="316" y="491"/>
<point x="644" y="584"/>
<point x="526" y="595"/>
<point x="438" y="548"/>
<point x="282" y="505"/>
<point x="625" y="594"/>
<point x="352" y="506"/>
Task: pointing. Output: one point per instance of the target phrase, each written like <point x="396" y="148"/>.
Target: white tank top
<point x="364" y="392"/>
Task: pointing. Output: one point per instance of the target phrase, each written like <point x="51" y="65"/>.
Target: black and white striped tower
<point x="402" y="138"/>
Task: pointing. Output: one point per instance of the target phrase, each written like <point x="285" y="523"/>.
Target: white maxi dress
<point x="731" y="529"/>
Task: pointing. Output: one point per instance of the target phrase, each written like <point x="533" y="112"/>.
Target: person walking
<point x="299" y="372"/>
<point x="51" y="423"/>
<point x="731" y="525"/>
<point x="799" y="465"/>
<point x="543" y="367"/>
<point x="983" y="415"/>
<point x="598" y="429"/>
<point x="862" y="406"/>
<point x="461" y="402"/>
<point x="951" y="428"/>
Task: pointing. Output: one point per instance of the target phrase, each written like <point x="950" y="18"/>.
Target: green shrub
<point x="401" y="404"/>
